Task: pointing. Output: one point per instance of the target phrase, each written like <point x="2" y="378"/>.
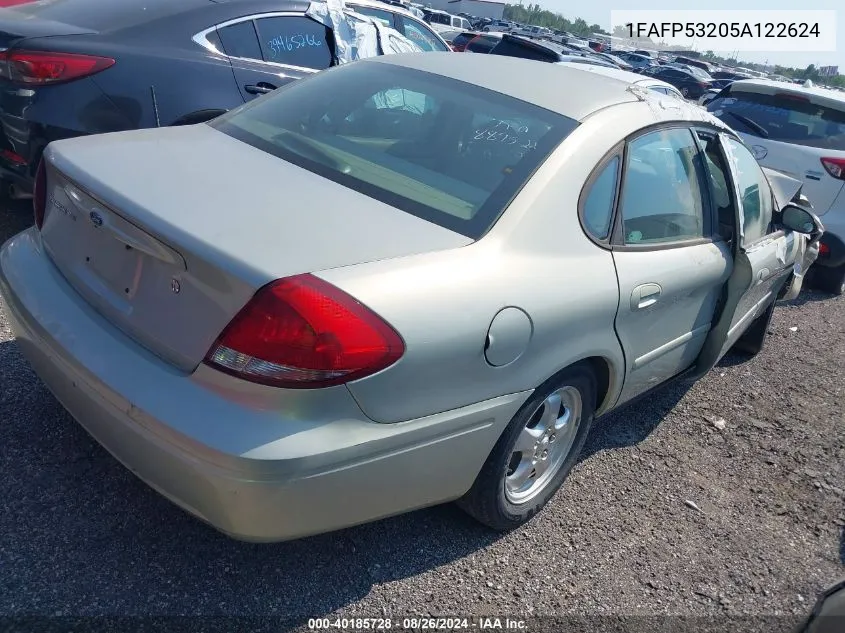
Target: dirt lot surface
<point x="727" y="498"/>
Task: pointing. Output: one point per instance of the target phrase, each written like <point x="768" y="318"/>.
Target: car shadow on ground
<point x="67" y="500"/>
<point x="632" y="424"/>
<point x="808" y="295"/>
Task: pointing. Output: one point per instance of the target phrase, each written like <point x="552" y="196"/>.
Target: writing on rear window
<point x="286" y="43"/>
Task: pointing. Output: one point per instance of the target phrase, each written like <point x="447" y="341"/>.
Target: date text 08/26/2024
<point x="416" y="624"/>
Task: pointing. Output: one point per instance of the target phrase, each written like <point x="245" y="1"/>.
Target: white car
<point x="801" y="131"/>
<point x="403" y="21"/>
<point x="440" y="20"/>
<point x="643" y="81"/>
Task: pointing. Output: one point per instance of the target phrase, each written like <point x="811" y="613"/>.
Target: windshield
<point x="447" y="151"/>
<point x="787" y="118"/>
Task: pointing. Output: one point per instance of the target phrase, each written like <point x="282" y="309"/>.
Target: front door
<point x="764" y="253"/>
<point x="670" y="263"/>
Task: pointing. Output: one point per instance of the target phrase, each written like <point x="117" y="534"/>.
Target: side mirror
<point x="801" y="220"/>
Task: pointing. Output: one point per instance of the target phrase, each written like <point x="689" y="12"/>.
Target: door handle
<point x="645" y="296"/>
<point x="259" y="88"/>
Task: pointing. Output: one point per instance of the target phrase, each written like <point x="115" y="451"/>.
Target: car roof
<point x="541" y="83"/>
<point x="373" y="4"/>
<point x="629" y="77"/>
<point x="816" y="94"/>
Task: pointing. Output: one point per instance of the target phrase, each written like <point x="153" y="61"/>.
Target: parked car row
<point x="800" y="131"/>
<point x="92" y="66"/>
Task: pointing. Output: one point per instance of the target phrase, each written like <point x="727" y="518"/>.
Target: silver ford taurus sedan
<point x="401" y="282"/>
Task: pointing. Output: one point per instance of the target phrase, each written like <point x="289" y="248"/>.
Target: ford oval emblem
<point x="759" y="152"/>
<point x="96" y="219"/>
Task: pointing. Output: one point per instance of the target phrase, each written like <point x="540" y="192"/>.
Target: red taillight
<point x="13" y="157"/>
<point x="42" y="67"/>
<point x="835" y="167"/>
<point x="824" y="249"/>
<point x="302" y="332"/>
<point x="39" y="194"/>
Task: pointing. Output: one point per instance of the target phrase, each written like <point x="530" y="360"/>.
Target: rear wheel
<point x="535" y="453"/>
<point x="830" y="279"/>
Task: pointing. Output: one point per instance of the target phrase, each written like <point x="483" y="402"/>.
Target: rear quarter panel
<point x="185" y="81"/>
<point x="536" y="258"/>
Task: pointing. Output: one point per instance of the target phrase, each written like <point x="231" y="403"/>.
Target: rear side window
<point x="482" y="44"/>
<point x="462" y="39"/>
<point x="240" y="40"/>
<point x="294" y="40"/>
<point x="782" y="117"/>
<point x="597" y="206"/>
<point x="420" y="35"/>
<point x="446" y="151"/>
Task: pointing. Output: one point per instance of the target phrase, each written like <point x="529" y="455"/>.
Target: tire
<point x="830" y="280"/>
<point x="496" y="499"/>
<point x="753" y="339"/>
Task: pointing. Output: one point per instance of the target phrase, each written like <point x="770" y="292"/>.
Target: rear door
<point x="274" y="49"/>
<point x="670" y="263"/>
<point x="789" y="132"/>
<point x="763" y="253"/>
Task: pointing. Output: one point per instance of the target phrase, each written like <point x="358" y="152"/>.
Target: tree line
<point x="535" y="15"/>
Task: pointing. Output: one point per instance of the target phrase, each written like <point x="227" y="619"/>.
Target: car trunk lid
<point x="168" y="233"/>
<point x="19" y="22"/>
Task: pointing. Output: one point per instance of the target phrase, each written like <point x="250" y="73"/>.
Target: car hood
<point x="784" y="187"/>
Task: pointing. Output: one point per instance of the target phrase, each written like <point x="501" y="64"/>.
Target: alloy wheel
<point x="543" y="445"/>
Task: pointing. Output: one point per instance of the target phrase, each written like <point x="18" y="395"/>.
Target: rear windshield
<point x="449" y="152"/>
<point x="782" y="117"/>
<point x="104" y="15"/>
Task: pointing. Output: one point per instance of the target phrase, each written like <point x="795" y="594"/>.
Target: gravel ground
<point x="666" y="514"/>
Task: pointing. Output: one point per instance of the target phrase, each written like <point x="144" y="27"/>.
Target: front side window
<point x="447" y="151"/>
<point x="662" y="197"/>
<point x="719" y="182"/>
<point x="755" y="194"/>
<point x="385" y="17"/>
<point x="420" y="35"/>
<point x="295" y="41"/>
<point x="785" y="118"/>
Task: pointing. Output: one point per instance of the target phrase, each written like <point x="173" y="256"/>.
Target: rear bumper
<point x="256" y="463"/>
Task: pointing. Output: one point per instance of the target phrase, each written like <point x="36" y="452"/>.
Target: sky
<point x="598" y="12"/>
